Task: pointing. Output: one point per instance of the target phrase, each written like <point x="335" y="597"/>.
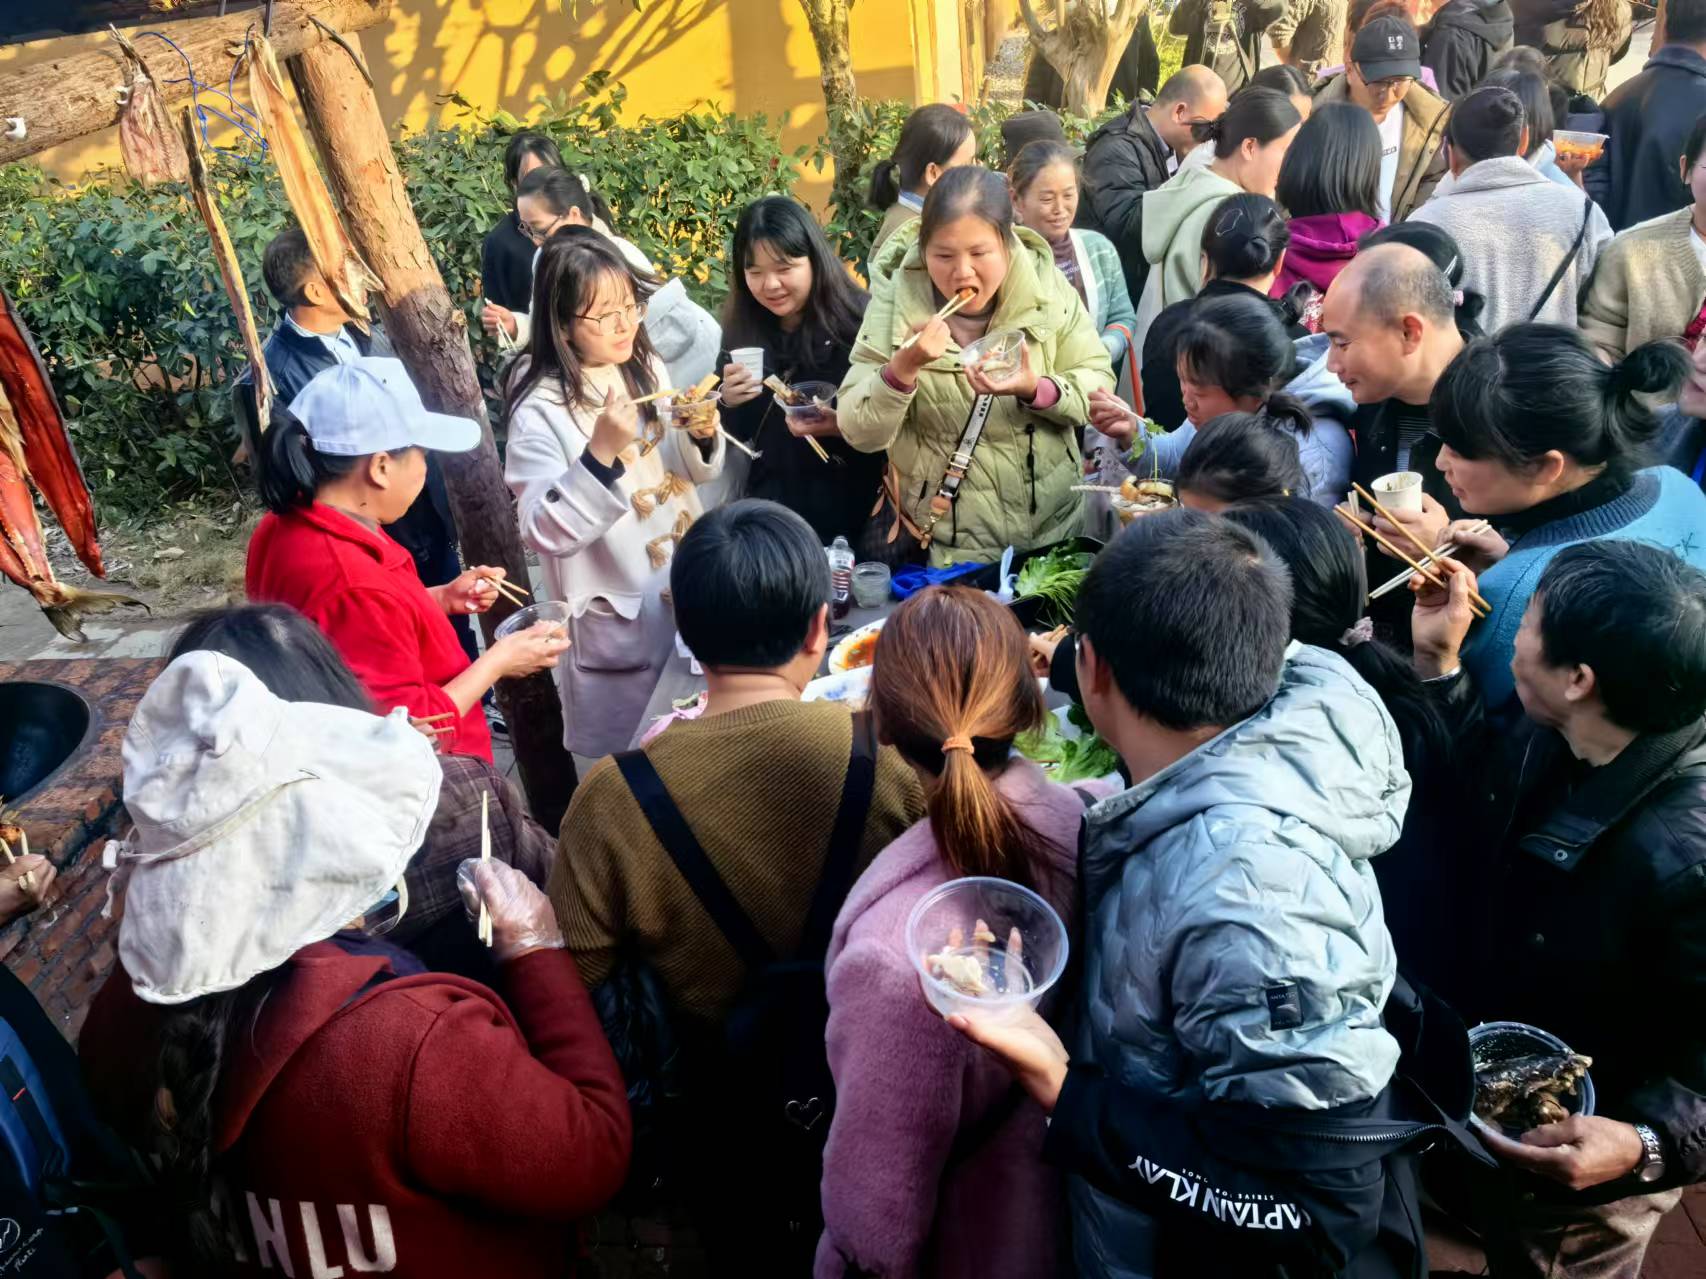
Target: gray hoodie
<point x="1235" y="948"/>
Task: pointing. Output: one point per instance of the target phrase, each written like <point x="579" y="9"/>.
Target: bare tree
<point x="1085" y="45"/>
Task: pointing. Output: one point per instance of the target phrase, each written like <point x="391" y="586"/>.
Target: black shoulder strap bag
<point x="1575" y="250"/>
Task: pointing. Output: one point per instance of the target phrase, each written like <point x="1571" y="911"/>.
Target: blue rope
<point x="198" y="87"/>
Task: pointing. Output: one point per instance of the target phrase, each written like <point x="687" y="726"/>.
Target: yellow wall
<point x="746" y="56"/>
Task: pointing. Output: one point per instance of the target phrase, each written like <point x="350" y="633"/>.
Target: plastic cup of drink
<point x="750" y="358"/>
<point x="1011" y="982"/>
<point x="1399" y="491"/>
<point x="554" y="611"/>
<point x="870" y="584"/>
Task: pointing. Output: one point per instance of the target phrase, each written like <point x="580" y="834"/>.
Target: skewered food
<point x="1528" y="1091"/>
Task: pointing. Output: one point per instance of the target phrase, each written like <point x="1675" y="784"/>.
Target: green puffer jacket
<point x="1018" y="491"/>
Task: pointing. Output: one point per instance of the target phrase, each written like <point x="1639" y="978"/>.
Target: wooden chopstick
<point x="485" y="925"/>
<point x="816" y="447"/>
<point x="1095" y="488"/>
<point x="953" y="304"/>
<point x="1401" y="554"/>
<point x="7" y="849"/>
<point x="1421" y="546"/>
<point x="1446" y="550"/>
<point x="778" y="388"/>
<point x="510" y="592"/>
<point x="433" y="719"/>
<point x="655" y="395"/>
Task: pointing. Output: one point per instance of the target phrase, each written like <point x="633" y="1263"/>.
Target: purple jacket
<point x="906" y="1083"/>
<point x="1321" y="246"/>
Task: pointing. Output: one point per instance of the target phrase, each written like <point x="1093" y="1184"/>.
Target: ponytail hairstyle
<point x="560" y="191"/>
<point x="1533" y="388"/>
<point x="968" y="191"/>
<point x="1253" y="113"/>
<point x="1438" y="246"/>
<point x="1243" y="457"/>
<point x="951" y="689"/>
<point x="194" y="1041"/>
<point x="289" y="470"/>
<point x="931" y="135"/>
<point x="572" y="264"/>
<point x="1033" y="158"/>
<point x="1329" y="582"/>
<point x="1237" y="344"/>
<point x="1333" y="164"/>
<point x="1244" y="237"/>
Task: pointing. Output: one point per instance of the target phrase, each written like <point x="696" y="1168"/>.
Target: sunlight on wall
<point x="746" y="56"/>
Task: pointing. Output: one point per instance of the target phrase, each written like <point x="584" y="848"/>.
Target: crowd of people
<point x="369" y="1017"/>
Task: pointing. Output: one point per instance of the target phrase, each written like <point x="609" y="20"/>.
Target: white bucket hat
<point x="261" y="825"/>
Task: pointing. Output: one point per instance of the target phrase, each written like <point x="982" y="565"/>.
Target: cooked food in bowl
<point x="1526" y="1092"/>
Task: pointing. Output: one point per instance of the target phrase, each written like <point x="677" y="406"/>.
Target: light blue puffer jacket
<point x="1235" y="881"/>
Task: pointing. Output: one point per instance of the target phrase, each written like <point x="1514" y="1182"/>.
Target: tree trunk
<point x="430" y="336"/>
<point x="831" y="34"/>
<point x="63" y="99"/>
<point x="1085" y="48"/>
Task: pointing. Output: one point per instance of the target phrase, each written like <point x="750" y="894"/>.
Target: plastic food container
<point x="1572" y="142"/>
<point x="681" y="414"/>
<point x="995" y="355"/>
<point x="985" y="975"/>
<point x="870" y="584"/>
<point x="1495" y="1041"/>
<point x="544" y="611"/>
<point x="820" y="400"/>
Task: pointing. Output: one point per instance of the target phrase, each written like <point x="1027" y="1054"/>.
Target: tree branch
<point x="1042" y="38"/>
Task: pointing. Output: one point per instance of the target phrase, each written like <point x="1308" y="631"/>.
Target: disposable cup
<point x="1399" y="491"/>
<point x="750" y="358"/>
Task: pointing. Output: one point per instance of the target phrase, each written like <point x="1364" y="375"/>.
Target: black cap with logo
<point x="1386" y="49"/>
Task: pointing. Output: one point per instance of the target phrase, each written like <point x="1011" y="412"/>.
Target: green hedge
<point x="119" y="287"/>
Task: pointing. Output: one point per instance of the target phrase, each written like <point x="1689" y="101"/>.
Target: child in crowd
<point x="794" y="300"/>
<point x="1240" y="457"/>
<point x="603" y="492"/>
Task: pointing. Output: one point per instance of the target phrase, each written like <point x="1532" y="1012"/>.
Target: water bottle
<point x="841" y="576"/>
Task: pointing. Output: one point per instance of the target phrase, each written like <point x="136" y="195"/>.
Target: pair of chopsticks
<point x="509" y="590"/>
<point x="26" y="881"/>
<point x="430" y="724"/>
<point x="485" y="924"/>
<point x="1095" y="488"/>
<point x="1444" y="551"/>
<point x="781" y="390"/>
<point x="953" y="304"/>
<point x="1477" y="604"/>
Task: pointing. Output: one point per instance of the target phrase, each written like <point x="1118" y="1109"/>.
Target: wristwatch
<point x="1652" y="1165"/>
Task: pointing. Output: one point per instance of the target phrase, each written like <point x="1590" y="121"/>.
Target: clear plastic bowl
<point x="1012" y="984"/>
<point x="544" y="611"/>
<point x="820" y="399"/>
<point x="1565" y="141"/>
<point x="680" y="414"/>
<point x="996" y="354"/>
<point x="1494" y="1041"/>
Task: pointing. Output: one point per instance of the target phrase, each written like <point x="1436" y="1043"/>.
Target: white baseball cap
<point x="370" y="406"/>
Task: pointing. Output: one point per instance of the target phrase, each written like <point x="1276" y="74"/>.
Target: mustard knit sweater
<point x="1646" y="285"/>
<point x="759" y="787"/>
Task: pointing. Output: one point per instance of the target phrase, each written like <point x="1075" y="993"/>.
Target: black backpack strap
<point x="689" y="857"/>
<point x="844" y="839"/>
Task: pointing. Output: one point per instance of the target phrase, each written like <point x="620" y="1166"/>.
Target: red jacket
<point x="362" y="590"/>
<point x="416" y="1129"/>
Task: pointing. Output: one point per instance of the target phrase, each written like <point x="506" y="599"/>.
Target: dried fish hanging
<point x="152" y="151"/>
<point x="230" y="270"/>
<point x="334" y="252"/>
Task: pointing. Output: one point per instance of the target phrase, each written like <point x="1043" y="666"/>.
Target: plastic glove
<point x="522" y="918"/>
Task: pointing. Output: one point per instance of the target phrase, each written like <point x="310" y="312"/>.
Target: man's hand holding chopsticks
<point x="522" y="918"/>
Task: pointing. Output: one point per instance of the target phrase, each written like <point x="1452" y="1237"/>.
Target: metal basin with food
<point x="1513" y="1064"/>
<point x="42" y="726"/>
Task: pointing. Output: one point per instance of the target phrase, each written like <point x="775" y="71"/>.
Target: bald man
<point x="1390" y="323"/>
<point x="1134" y="153"/>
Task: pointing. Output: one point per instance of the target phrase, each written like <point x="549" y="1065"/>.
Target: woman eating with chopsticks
<point x="984" y="451"/>
<point x="347" y="459"/>
<point x="604" y="488"/>
<point x="1549" y="445"/>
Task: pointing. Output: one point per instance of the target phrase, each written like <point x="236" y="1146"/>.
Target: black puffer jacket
<point x="1588" y="916"/>
<point x="1123" y="160"/>
<point x="1648" y="118"/>
<point x="1463" y="41"/>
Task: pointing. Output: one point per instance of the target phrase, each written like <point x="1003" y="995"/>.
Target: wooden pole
<point x="430" y="336"/>
<point x="64" y="99"/>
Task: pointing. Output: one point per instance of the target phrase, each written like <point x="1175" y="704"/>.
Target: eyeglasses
<point x="1396" y="86"/>
<point x="538" y="236"/>
<point x="630" y="316"/>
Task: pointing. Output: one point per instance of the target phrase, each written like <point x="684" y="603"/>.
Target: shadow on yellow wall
<point x="746" y="56"/>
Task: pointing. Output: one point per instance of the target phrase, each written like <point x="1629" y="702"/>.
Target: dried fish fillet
<point x="151" y="148"/>
<point x="334" y="253"/>
<point x="230" y="271"/>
